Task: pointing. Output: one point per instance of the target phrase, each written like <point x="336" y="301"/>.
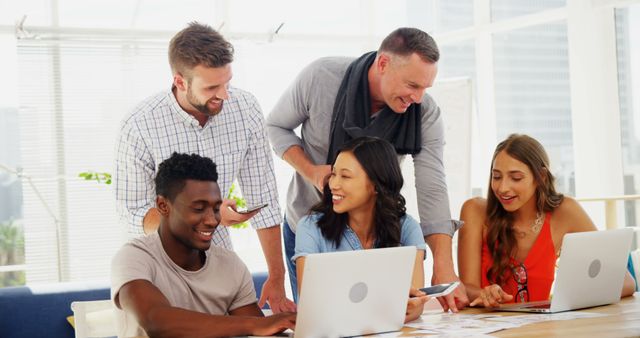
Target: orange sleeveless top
<point x="540" y="264"/>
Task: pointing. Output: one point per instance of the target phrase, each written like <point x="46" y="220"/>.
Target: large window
<point x="145" y="15"/>
<point x="532" y="92"/>
<point x="508" y="9"/>
<point x="70" y="108"/>
<point x="628" y="48"/>
<point x="11" y="228"/>
<point x="76" y="68"/>
<point x="12" y="260"/>
<point x="76" y="83"/>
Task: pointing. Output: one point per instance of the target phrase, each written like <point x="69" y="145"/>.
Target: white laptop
<point x="354" y="293"/>
<point x="590" y="272"/>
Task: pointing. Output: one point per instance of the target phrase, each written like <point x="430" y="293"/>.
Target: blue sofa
<point x="30" y="312"/>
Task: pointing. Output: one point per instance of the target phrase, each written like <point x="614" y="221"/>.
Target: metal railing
<point x="610" y="207"/>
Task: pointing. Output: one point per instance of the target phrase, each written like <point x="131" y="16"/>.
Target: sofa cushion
<point x="42" y="310"/>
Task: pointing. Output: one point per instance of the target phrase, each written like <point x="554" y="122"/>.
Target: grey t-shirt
<point x="221" y="285"/>
<point x="309" y="102"/>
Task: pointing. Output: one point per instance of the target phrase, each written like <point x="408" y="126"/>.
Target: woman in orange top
<point x="509" y="243"/>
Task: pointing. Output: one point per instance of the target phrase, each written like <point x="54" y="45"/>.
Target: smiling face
<point x="206" y="88"/>
<point x="513" y="183"/>
<point x="193" y="215"/>
<point x="350" y="186"/>
<point x="404" y="79"/>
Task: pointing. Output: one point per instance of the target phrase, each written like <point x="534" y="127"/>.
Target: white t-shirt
<point x="221" y="285"/>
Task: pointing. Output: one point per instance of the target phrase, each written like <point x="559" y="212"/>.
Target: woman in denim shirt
<point x="362" y="208"/>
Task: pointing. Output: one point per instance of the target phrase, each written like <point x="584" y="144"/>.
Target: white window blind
<point x="72" y="96"/>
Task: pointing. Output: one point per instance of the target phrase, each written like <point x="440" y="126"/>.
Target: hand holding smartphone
<point x="440" y="289"/>
<point x="252" y="209"/>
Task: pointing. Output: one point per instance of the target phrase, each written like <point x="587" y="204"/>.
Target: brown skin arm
<point x="470" y="245"/>
<point x="417" y="298"/>
<point x="491" y="296"/>
<point x="151" y="221"/>
<point x="443" y="272"/>
<point x="300" y="161"/>
<point x="250" y="310"/>
<point x="273" y="288"/>
<point x="470" y="239"/>
<point x="299" y="271"/>
<point x="159" y="319"/>
<point x="417" y="279"/>
<point x="415" y="305"/>
<point x="629" y="286"/>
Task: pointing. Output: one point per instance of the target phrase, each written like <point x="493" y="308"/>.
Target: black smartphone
<point x="440" y="289"/>
<point x="252" y="209"/>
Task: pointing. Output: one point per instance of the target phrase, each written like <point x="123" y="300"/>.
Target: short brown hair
<point x="198" y="44"/>
<point x="406" y="41"/>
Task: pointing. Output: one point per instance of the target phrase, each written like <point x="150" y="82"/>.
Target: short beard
<point x="202" y="107"/>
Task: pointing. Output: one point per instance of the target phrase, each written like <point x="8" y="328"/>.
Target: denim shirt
<point x="309" y="238"/>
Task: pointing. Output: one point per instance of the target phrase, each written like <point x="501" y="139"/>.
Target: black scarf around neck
<point x="352" y="114"/>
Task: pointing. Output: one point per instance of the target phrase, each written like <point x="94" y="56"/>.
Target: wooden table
<point x="623" y="321"/>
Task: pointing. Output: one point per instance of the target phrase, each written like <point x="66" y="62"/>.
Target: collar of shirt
<point x="187" y="118"/>
<point x="352" y="239"/>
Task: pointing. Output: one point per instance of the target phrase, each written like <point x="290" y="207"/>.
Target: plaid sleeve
<point x="134" y="174"/>
<point x="256" y="177"/>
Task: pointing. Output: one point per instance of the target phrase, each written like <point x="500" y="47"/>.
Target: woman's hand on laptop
<point x="492" y="296"/>
<point x="415" y="305"/>
<point x="267" y="326"/>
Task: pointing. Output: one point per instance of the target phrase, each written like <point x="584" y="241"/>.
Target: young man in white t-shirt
<point x="173" y="282"/>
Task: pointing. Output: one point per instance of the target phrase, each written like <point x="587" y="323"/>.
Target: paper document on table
<point x="536" y="318"/>
<point x="403" y="334"/>
<point x="478" y="324"/>
<point x="458" y="324"/>
<point x="473" y="325"/>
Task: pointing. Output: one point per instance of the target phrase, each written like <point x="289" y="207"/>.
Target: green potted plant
<point x="234" y="193"/>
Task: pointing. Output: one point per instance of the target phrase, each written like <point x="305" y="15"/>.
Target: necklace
<point x="537" y="223"/>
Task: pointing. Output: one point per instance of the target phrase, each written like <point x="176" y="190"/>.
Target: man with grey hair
<point x="202" y="114"/>
<point x="381" y="93"/>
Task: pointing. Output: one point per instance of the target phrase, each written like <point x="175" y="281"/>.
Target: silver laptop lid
<point x="591" y="269"/>
<point x="354" y="292"/>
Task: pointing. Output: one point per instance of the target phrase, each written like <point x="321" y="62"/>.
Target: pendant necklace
<point x="537" y="223"/>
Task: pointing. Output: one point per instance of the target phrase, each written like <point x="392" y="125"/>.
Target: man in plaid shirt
<point x="203" y="114"/>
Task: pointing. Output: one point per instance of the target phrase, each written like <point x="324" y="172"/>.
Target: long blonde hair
<point x="501" y="239"/>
